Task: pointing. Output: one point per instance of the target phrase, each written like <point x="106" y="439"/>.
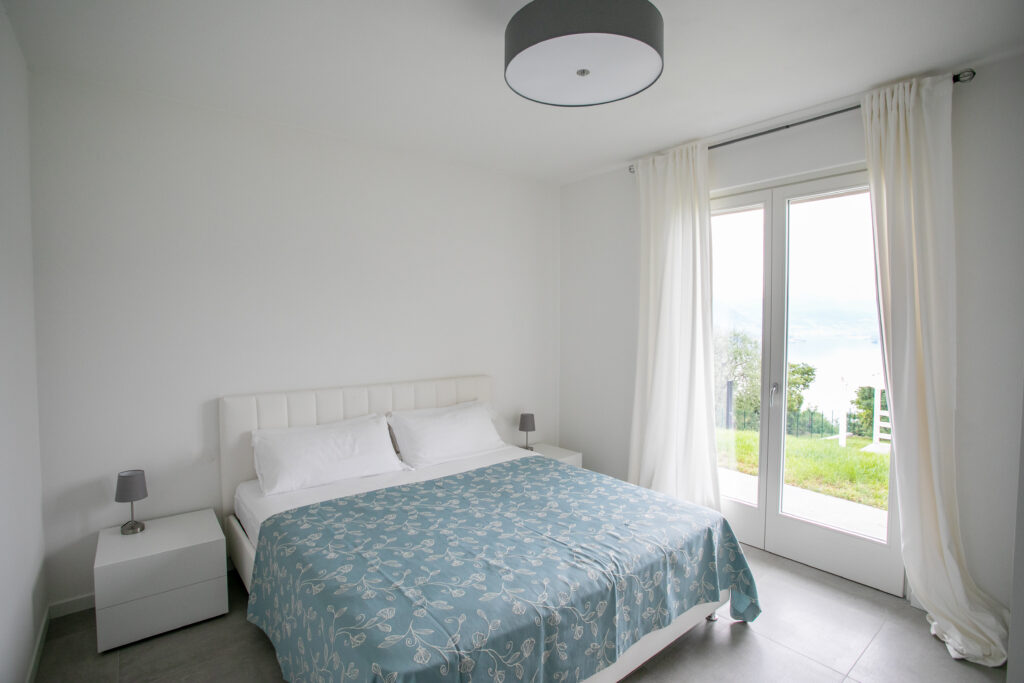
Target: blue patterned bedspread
<point x="528" y="570"/>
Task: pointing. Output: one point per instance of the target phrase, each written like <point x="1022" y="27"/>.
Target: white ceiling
<point x="426" y="75"/>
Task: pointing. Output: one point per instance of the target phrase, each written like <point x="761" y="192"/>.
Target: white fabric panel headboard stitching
<point x="239" y="415"/>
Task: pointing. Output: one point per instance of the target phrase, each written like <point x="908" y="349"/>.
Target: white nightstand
<point x="562" y="454"/>
<point x="172" y="574"/>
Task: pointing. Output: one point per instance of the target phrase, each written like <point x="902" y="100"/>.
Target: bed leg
<point x="712" y="617"/>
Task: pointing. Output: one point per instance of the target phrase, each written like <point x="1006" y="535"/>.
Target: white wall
<point x="600" y="256"/>
<point x="21" y="563"/>
<point x="988" y="173"/>
<point x="988" y="152"/>
<point x="1015" y="660"/>
<point x="183" y="254"/>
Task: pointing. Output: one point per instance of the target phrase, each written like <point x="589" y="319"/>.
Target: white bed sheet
<point x="252" y="507"/>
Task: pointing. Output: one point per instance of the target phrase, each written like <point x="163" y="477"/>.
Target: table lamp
<point x="526" y="424"/>
<point x="131" y="486"/>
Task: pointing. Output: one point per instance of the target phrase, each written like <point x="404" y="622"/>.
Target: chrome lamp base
<point x="132" y="527"/>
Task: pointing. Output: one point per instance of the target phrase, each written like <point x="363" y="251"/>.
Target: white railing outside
<point x="882" y="427"/>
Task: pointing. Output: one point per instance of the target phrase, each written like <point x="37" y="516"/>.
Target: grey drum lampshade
<point x="577" y="53"/>
<point x="526" y="423"/>
<point x="131" y="486"/>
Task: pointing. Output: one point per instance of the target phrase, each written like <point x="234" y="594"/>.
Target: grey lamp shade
<point x="526" y="423"/>
<point x="131" y="486"/>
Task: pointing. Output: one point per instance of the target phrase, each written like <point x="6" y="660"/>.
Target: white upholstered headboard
<point x="239" y="415"/>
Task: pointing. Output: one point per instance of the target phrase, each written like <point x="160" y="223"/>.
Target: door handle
<point x="771" y="395"/>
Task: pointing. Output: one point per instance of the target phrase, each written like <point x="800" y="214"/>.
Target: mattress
<point x="252" y="507"/>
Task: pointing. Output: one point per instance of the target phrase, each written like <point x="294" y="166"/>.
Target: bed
<point x="501" y="566"/>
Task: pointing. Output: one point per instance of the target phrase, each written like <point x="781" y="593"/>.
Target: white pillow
<point x="303" y="457"/>
<point x="435" y="435"/>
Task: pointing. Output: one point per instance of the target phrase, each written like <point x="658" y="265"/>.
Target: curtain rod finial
<point x="964" y="76"/>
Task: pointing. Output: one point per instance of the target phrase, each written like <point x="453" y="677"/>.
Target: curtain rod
<point x="960" y="77"/>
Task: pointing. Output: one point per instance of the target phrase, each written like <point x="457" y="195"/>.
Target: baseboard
<point x="57" y="609"/>
<point x="38" y="654"/>
<point x="72" y="605"/>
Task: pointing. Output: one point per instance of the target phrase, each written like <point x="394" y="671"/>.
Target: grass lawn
<point x="816" y="464"/>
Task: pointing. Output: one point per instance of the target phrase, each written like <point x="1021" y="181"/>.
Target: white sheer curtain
<point x="909" y="156"/>
<point x="672" y="446"/>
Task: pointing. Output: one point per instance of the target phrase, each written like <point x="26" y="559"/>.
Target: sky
<point x="832" y="317"/>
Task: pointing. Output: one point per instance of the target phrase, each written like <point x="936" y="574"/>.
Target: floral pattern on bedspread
<point x="528" y="570"/>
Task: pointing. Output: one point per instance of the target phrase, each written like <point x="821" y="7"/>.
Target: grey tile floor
<point x="815" y="627"/>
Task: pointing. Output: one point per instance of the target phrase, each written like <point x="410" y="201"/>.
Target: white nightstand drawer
<point x="171" y="553"/>
<point x="148" y="616"/>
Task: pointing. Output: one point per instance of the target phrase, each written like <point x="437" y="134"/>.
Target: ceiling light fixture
<point x="577" y="53"/>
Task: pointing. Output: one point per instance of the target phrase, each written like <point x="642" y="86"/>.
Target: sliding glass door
<point x="802" y="427"/>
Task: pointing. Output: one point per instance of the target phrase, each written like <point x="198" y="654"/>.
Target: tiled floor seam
<point x="854" y="665"/>
<point x="801" y="654"/>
